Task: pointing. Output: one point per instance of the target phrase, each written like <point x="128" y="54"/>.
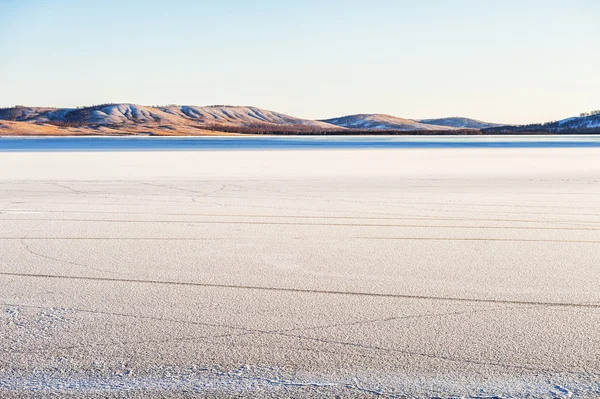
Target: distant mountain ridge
<point x="128" y="118"/>
<point x="187" y="119"/>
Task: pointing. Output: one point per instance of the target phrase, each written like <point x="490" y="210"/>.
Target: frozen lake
<point x="429" y="272"/>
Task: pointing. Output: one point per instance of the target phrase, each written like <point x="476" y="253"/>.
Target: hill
<point x="459" y="123"/>
<point x="585" y="124"/>
<point x="132" y="117"/>
<point x="382" y="122"/>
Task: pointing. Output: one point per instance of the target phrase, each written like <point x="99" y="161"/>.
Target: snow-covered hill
<point x="459" y="123"/>
<point x="382" y="122"/>
<point x="587" y="124"/>
<point x="174" y="116"/>
<point x="579" y="122"/>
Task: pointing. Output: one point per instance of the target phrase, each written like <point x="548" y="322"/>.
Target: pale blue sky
<point x="500" y="61"/>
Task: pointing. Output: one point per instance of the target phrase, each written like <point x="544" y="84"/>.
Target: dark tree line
<point x="591" y="113"/>
<point x="316" y="130"/>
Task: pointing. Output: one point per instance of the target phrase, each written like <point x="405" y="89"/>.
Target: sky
<point x="500" y="61"/>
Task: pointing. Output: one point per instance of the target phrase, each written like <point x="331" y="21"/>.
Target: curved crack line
<point x="65" y="187"/>
<point x="242" y="330"/>
<point x="398" y="204"/>
<point x="155" y="318"/>
<point x="166" y="203"/>
<point x="167" y="187"/>
<point x="488" y="239"/>
<point x="125" y="343"/>
<point x="305" y="291"/>
<point x="286" y="333"/>
<point x="34" y="253"/>
<point x="398" y="318"/>
<point x="287" y="216"/>
<point x="426" y="355"/>
<point x="478" y="239"/>
<point x="170" y="341"/>
<point x="424" y="226"/>
<point x="203" y="193"/>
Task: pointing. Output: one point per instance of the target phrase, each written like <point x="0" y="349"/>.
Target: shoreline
<point x="287" y="143"/>
<point x="300" y="134"/>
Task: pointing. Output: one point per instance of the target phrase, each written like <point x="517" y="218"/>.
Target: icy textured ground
<point x="348" y="273"/>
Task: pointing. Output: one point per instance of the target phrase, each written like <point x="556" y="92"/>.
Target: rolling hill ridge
<point x="125" y="118"/>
